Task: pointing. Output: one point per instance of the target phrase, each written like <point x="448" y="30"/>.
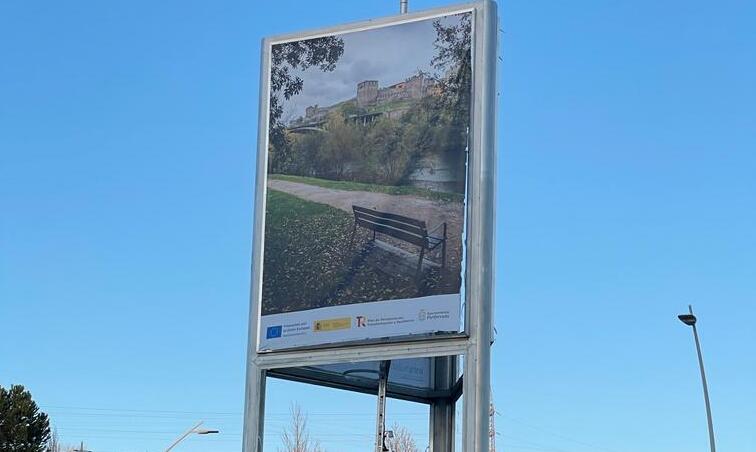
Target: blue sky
<point x="626" y="191"/>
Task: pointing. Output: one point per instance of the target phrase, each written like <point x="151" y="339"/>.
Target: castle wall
<point x="369" y="94"/>
<point x="415" y="87"/>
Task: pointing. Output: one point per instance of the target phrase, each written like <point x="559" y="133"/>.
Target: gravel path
<point x="433" y="212"/>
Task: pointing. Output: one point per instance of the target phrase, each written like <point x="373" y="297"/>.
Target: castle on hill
<point x="370" y="95"/>
<point x="415" y="87"/>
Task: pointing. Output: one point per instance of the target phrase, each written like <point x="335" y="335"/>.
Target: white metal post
<point x="477" y="371"/>
<point x="380" y="429"/>
<point x="442" y="409"/>
<point x="254" y="397"/>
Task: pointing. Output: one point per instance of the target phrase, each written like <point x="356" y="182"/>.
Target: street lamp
<point x="690" y="320"/>
<point x="194" y="429"/>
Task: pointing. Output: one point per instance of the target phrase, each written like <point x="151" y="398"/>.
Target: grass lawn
<point x="359" y="186"/>
<point x="308" y="262"/>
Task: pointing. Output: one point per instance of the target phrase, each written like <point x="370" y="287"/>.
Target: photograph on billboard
<point x="367" y="134"/>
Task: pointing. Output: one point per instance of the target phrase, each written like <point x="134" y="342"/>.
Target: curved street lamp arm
<point x="181" y="438"/>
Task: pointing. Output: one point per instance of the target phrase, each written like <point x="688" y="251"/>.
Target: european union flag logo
<point x="274" y="332"/>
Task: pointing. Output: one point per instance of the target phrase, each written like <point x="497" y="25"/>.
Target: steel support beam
<point x="380" y="428"/>
<point x="442" y="408"/>
<point x="481" y="212"/>
<point x="456" y="345"/>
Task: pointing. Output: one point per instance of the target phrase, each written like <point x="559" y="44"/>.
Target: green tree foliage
<point x="454" y="57"/>
<point x="322" y="53"/>
<point x="306" y="150"/>
<point x="23" y="428"/>
<point x="342" y="145"/>
<point x="385" y="155"/>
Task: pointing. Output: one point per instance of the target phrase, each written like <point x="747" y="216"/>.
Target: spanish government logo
<point x="343" y="323"/>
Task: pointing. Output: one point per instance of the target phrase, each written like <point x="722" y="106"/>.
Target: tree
<point x="53" y="445"/>
<point x="342" y="144"/>
<point x="296" y="437"/>
<point x="402" y="440"/>
<point x="453" y="57"/>
<point x="386" y="155"/>
<point x="23" y="427"/>
<point x="306" y="149"/>
<point x="285" y="59"/>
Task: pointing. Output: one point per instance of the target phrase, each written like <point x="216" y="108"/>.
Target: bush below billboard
<point x="365" y="188"/>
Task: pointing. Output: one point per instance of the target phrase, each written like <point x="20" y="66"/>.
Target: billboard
<point x="365" y="158"/>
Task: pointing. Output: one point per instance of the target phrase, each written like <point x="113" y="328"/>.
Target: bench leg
<point x="443" y="250"/>
<point x="419" y="272"/>
<point x="351" y="240"/>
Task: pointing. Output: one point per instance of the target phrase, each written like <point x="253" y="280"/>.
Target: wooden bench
<point x="403" y="228"/>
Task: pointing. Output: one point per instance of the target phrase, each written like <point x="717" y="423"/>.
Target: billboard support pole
<point x="380" y="436"/>
<point x="442" y="409"/>
<point x="480" y="273"/>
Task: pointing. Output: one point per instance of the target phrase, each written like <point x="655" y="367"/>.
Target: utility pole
<point x="403" y="6"/>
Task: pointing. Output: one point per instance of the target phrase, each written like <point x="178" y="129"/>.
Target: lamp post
<point x="194" y="429"/>
<point x="690" y="320"/>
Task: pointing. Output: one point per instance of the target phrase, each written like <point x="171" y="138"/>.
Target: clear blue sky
<point x="627" y="190"/>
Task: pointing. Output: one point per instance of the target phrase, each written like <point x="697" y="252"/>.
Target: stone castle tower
<point x="367" y="93"/>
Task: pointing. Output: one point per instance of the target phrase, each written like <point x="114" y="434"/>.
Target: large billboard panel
<point x="365" y="187"/>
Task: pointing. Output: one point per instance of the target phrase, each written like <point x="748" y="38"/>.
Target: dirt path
<point x="433" y="212"/>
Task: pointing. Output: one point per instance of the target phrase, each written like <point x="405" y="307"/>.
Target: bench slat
<point x="415" y="239"/>
<point x="421" y="231"/>
<point x="390" y="216"/>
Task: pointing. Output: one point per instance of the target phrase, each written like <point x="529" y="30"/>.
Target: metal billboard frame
<point x="474" y="343"/>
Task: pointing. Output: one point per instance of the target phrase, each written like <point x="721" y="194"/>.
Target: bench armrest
<point x="436" y="229"/>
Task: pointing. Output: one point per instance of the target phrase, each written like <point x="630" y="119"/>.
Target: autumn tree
<point x="296" y="436"/>
<point x="23" y="427"/>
